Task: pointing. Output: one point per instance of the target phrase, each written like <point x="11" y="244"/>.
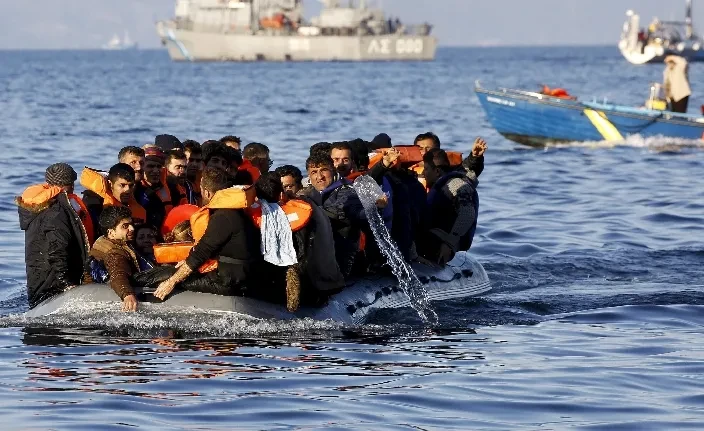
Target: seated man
<point x="321" y="268"/>
<point x="229" y="237"/>
<point x="182" y="191"/>
<point x="195" y="165"/>
<point x="343" y="159"/>
<point x="409" y="203"/>
<point x="114" y="251"/>
<point x="118" y="190"/>
<point x="453" y="204"/>
<point x="55" y="240"/>
<point x="134" y="157"/>
<point x="426" y="141"/>
<point x="218" y="155"/>
<point x="291" y="180"/>
<point x="256" y="160"/>
<point x="149" y="191"/>
<point x="340" y="202"/>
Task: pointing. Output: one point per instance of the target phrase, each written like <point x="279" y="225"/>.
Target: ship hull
<point x="657" y="54"/>
<point x="184" y="45"/>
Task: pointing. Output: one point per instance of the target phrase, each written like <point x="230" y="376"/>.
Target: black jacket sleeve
<point x="377" y="172"/>
<point x="58" y="232"/>
<point x="351" y="206"/>
<point x="220" y="229"/>
<point x="473" y="164"/>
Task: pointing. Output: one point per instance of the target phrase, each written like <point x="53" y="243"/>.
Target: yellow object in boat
<point x="607" y="130"/>
<point x="656" y="104"/>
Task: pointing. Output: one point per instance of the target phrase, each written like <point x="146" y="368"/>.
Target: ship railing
<point x="417" y="29"/>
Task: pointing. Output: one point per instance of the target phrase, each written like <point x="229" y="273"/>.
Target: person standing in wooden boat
<point x="676" y="83"/>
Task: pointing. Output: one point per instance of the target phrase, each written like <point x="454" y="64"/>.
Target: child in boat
<point x="145" y="237"/>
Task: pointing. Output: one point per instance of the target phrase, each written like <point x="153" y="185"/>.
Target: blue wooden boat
<point x="537" y="119"/>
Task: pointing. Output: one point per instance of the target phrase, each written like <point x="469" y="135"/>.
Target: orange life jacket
<point x="238" y="197"/>
<point x="80" y="208"/>
<point x="164" y="191"/>
<point x="354" y="175"/>
<point x="94" y="181"/>
<point x="297" y="211"/>
<point x="40" y="194"/>
<point x="556" y="92"/>
<point x="408" y="155"/>
<point x="232" y="198"/>
<point x="411" y="158"/>
<point x="174" y="252"/>
<point x="253" y="170"/>
<point x="362" y="241"/>
<point x="176" y="216"/>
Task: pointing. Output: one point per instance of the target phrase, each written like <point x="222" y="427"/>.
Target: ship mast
<point x="688" y="20"/>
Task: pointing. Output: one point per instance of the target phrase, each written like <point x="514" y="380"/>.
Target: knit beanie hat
<point x="168" y="142"/>
<point x="60" y="174"/>
<point x="382" y="140"/>
<point x="155" y="154"/>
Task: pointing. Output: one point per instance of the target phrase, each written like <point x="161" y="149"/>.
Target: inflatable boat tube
<point x="463" y="277"/>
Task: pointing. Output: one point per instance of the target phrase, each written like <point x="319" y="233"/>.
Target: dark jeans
<point x="680" y="106"/>
<point x="270" y="288"/>
<point x="196" y="282"/>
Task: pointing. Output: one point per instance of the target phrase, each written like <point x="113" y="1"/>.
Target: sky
<point x="87" y="24"/>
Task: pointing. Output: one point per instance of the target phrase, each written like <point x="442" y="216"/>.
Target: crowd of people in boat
<point x="215" y="218"/>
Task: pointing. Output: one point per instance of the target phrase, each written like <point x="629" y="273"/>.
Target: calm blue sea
<point x="595" y="252"/>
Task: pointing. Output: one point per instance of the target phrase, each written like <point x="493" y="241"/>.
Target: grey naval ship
<point x="276" y="30"/>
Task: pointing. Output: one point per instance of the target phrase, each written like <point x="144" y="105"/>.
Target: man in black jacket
<point x="230" y="237"/>
<point x="56" y="245"/>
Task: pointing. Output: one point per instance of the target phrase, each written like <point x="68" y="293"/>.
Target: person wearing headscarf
<point x="676" y="83"/>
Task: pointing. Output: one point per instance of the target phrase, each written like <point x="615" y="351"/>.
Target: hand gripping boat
<point x="463" y="277"/>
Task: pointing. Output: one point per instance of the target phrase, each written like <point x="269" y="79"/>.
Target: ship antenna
<point x="688" y="19"/>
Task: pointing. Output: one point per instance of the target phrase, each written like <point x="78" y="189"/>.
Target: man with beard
<point x="321" y="268"/>
<point x="195" y="165"/>
<point x="181" y="189"/>
<point x="116" y="190"/>
<point x="114" y="250"/>
<point x="343" y="159"/>
<point x="341" y="204"/>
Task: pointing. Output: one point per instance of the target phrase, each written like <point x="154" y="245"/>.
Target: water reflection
<point x="109" y="362"/>
<point x="425" y="377"/>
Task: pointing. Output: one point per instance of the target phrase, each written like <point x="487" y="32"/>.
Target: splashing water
<point x="369" y="191"/>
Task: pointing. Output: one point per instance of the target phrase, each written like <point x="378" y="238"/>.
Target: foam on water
<point x="657" y="144"/>
<point x="153" y="318"/>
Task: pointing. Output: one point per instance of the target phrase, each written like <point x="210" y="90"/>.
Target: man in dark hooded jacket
<point x="56" y="244"/>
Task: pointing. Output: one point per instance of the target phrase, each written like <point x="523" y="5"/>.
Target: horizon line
<point x="440" y="46"/>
